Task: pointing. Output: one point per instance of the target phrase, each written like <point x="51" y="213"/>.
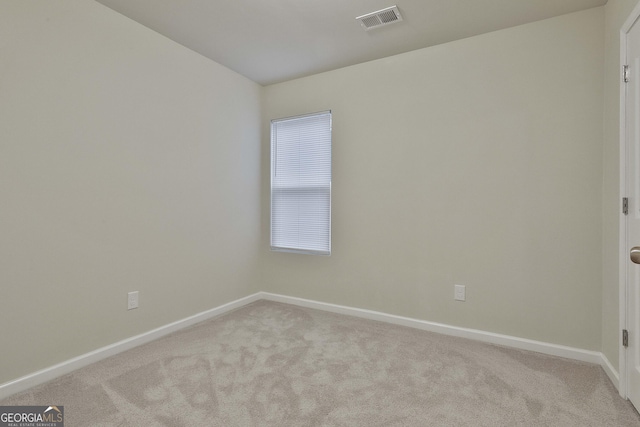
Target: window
<point x="301" y="184"/>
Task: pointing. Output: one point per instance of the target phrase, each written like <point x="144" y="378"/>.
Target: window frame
<point x="304" y="190"/>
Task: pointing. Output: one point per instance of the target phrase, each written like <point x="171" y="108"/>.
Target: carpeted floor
<point x="272" y="364"/>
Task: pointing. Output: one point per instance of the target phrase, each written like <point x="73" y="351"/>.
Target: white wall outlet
<point x="132" y="300"/>
<point x="459" y="292"/>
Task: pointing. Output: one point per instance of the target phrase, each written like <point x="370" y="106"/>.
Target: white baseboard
<point x="611" y="372"/>
<point x="47" y="374"/>
<point x="474" y="334"/>
<point x="42" y="376"/>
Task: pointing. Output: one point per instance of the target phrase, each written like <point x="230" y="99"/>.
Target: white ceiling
<point x="270" y="41"/>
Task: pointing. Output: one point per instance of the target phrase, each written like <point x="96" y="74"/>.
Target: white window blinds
<point x="301" y="184"/>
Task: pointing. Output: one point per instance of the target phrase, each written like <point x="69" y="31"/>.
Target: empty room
<point x="320" y="213"/>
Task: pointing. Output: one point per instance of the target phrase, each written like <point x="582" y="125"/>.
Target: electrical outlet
<point x="459" y="292"/>
<point x="132" y="300"/>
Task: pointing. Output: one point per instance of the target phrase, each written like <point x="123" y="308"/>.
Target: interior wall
<point x="616" y="13"/>
<point x="477" y="162"/>
<point x="127" y="163"/>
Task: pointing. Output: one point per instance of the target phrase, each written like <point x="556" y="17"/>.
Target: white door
<point x="632" y="124"/>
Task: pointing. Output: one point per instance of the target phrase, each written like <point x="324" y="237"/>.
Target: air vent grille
<point x="381" y="17"/>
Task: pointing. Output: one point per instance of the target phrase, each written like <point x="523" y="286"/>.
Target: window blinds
<point x="301" y="184"/>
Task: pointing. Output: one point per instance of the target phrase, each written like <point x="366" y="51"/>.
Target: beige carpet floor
<point x="272" y="364"/>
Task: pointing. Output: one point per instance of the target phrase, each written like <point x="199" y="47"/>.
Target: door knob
<point x="635" y="254"/>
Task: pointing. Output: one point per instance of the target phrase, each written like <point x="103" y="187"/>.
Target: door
<point x="632" y="136"/>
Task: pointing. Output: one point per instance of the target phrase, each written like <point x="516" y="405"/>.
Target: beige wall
<point x="477" y="162"/>
<point x="127" y="162"/>
<point x="616" y="13"/>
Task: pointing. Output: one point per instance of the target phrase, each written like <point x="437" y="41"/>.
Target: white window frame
<point x="308" y="192"/>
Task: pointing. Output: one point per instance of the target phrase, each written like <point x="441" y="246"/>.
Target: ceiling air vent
<point x="380" y="18"/>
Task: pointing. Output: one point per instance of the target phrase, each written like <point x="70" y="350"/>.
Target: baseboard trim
<point x="474" y="334"/>
<point x="44" y="375"/>
<point x="611" y="372"/>
<point x="47" y="374"/>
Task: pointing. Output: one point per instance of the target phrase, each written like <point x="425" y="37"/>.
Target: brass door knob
<point x="635" y="254"/>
